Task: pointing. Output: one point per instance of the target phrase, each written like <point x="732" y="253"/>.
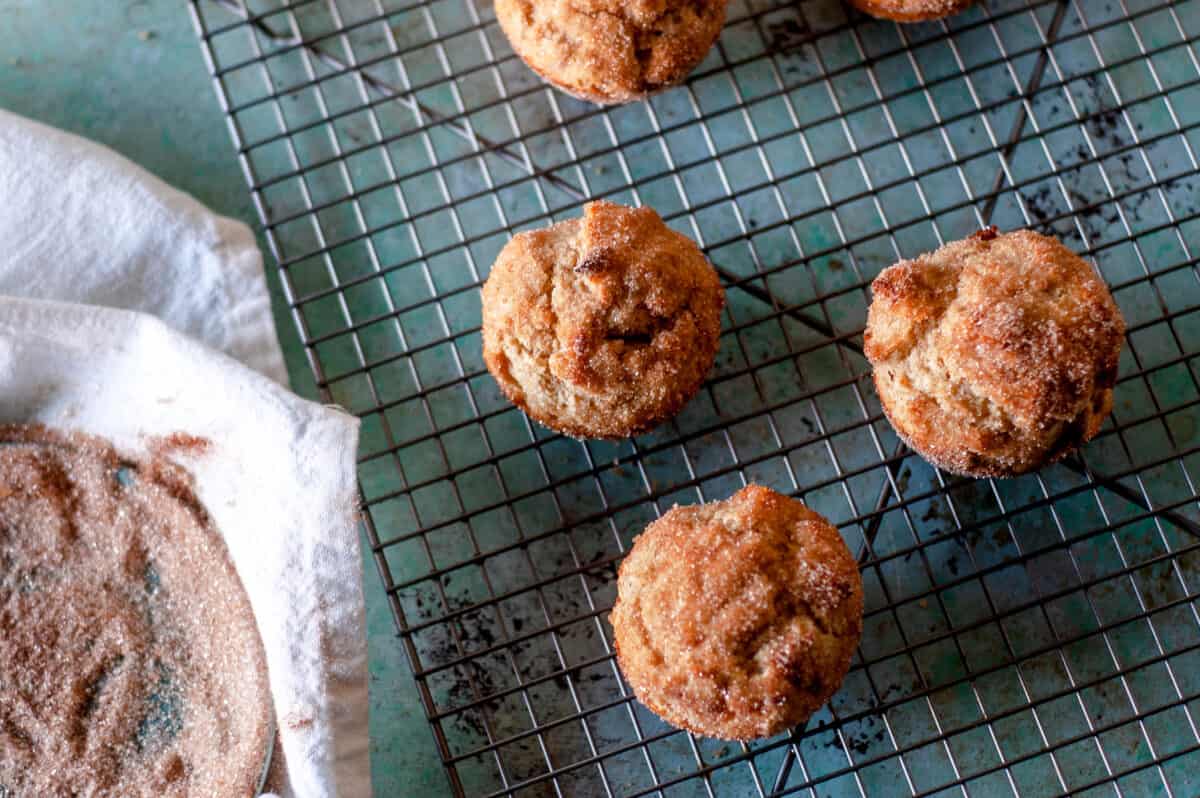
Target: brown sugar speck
<point x="129" y="656"/>
<point x="173" y="769"/>
<point x="986" y="234"/>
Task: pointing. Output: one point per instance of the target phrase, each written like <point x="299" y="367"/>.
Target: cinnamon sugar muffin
<point x="611" y="51"/>
<point x="994" y="355"/>
<point x="738" y="619"/>
<point x="911" y="10"/>
<point x="604" y="326"/>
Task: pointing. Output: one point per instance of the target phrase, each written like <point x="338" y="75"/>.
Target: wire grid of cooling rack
<point x="1035" y="636"/>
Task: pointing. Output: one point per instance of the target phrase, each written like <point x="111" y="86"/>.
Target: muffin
<point x="604" y="326"/>
<point x="737" y="619"/>
<point x="911" y="10"/>
<point x="609" y="51"/>
<point x="995" y="355"/>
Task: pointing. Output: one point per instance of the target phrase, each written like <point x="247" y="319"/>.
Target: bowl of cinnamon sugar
<point x="130" y="660"/>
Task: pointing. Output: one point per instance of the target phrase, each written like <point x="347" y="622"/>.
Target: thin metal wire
<point x="533" y="707"/>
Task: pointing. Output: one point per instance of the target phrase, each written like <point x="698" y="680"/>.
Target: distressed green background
<point x="130" y="75"/>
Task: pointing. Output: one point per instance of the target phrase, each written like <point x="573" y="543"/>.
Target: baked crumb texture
<point x="995" y="355"/>
<point x="611" y="51"/>
<point x="604" y="326"/>
<point x="738" y="619"/>
<point x="911" y="10"/>
<point x="130" y="662"/>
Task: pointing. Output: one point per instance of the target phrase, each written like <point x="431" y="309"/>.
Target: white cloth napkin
<point x="79" y="223"/>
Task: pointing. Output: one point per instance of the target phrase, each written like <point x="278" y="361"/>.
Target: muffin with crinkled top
<point x="603" y="326"/>
<point x="994" y="355"/>
<point x="738" y="619"/>
<point x="611" y="51"/>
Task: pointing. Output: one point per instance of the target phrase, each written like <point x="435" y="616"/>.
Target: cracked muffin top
<point x="994" y="355"/>
<point x="604" y="326"/>
<point x="738" y="619"/>
<point x="611" y="51"/>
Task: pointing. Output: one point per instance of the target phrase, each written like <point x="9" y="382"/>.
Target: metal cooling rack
<point x="1037" y="636"/>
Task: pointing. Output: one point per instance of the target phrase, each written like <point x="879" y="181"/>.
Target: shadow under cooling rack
<point x="1037" y="636"/>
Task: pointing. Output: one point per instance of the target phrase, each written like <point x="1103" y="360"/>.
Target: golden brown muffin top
<point x="602" y="326"/>
<point x="994" y="345"/>
<point x="608" y="50"/>
<point x="738" y="619"/>
<point x="911" y="10"/>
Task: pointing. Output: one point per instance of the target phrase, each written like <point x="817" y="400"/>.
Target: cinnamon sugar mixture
<point x="130" y="663"/>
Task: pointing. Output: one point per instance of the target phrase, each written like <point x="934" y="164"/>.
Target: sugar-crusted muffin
<point x="603" y="326"/>
<point x="738" y="619"/>
<point x="611" y="51"/>
<point x="994" y="355"/>
<point x="911" y="10"/>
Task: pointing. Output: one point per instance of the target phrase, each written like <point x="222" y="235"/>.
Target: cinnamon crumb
<point x="179" y="443"/>
<point x="296" y="721"/>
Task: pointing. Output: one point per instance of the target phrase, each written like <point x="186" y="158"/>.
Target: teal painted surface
<point x="130" y="75"/>
<point x="169" y="121"/>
